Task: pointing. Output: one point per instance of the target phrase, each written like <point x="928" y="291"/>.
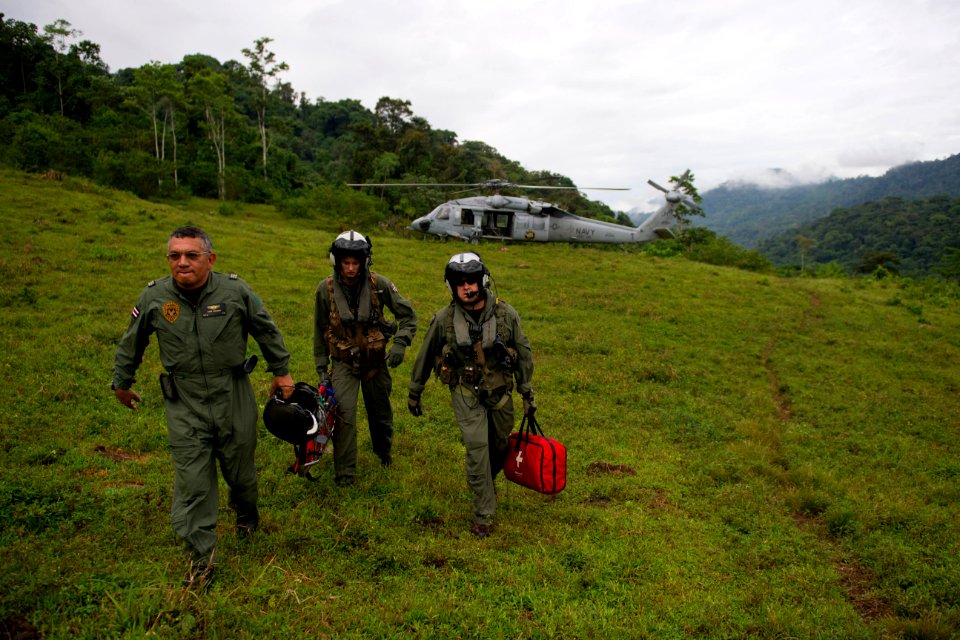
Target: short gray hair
<point x="194" y="232"/>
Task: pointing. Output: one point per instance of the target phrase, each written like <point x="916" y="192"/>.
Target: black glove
<point x="323" y="370"/>
<point x="529" y="406"/>
<point x="395" y="357"/>
<point x="325" y="380"/>
<point x="414" y="405"/>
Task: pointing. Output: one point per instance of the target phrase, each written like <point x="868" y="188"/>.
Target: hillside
<point x="749" y="456"/>
<point x="917" y="233"/>
<point x="748" y="214"/>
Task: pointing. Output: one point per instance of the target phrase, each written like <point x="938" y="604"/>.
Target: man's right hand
<point x="127" y="397"/>
<point x="414" y="405"/>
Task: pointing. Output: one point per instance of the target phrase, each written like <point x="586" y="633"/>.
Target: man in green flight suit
<point x="202" y="319"/>
<point x="477" y="348"/>
<point x="351" y="330"/>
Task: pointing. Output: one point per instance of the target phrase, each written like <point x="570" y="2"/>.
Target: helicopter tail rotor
<point x="675" y="197"/>
<point x="672" y="196"/>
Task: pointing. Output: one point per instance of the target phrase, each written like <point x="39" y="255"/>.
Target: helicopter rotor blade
<point x="656" y="186"/>
<point x="489" y="184"/>
<point x="407" y="184"/>
<point x="540" y="186"/>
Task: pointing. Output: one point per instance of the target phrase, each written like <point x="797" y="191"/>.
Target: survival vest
<point x="362" y="344"/>
<point x="483" y="361"/>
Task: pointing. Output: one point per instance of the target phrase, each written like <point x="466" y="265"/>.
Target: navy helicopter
<point x="500" y="217"/>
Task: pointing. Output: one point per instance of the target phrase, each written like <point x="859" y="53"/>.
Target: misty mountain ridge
<point x="751" y="211"/>
<point x="910" y="237"/>
<point x="773" y="178"/>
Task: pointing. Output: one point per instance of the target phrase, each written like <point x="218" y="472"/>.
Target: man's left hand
<point x="529" y="406"/>
<point x="284" y="383"/>
<point x="395" y="357"/>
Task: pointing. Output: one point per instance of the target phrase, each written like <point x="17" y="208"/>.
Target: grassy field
<point x="750" y="456"/>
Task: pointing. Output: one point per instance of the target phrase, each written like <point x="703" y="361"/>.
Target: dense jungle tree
<point x="263" y="68"/>
<point x="208" y="90"/>
<point x="158" y="93"/>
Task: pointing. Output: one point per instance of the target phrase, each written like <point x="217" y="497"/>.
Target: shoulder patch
<point x="234" y="276"/>
<point x="152" y="283"/>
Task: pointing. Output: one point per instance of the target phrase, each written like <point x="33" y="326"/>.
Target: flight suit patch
<point x="213" y="310"/>
<point x="171" y="311"/>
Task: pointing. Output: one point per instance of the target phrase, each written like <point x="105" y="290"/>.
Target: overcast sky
<point x="606" y="92"/>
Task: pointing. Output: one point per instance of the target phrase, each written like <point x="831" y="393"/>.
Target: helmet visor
<point x="459" y="279"/>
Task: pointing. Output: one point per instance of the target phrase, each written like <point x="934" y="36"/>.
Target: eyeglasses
<point x="192" y="256"/>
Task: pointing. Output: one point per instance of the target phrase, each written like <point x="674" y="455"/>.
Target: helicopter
<point x="500" y="217"/>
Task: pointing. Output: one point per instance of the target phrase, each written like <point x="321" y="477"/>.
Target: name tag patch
<point x="213" y="310"/>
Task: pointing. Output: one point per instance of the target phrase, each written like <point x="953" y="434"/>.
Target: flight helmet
<point x="465" y="267"/>
<point x="293" y="419"/>
<point x="351" y="244"/>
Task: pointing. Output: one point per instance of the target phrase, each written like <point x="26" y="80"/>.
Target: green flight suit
<point x="480" y="392"/>
<point x="364" y="371"/>
<point x="214" y="414"/>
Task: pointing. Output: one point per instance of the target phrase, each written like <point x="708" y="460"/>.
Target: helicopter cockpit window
<point x="444" y="213"/>
<point x="466" y="216"/>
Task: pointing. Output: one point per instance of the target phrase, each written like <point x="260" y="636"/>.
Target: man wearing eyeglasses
<point x="202" y="319"/>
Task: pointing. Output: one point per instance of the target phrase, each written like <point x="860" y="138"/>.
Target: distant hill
<point x="748" y="214"/>
<point x="916" y="232"/>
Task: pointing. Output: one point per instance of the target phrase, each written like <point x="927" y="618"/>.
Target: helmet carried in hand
<point x="294" y="419"/>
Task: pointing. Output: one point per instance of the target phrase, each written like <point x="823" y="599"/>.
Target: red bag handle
<point x="532" y="427"/>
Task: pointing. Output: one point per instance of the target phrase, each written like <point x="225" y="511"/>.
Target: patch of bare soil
<point x="611" y="469"/>
<point x="117" y="455"/>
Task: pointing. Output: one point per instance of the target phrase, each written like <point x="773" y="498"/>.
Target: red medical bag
<point x="534" y="460"/>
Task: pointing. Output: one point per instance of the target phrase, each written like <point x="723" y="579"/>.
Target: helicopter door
<point x="498" y="224"/>
<point x="470" y="219"/>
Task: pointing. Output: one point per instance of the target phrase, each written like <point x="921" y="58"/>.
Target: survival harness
<point x="477" y="356"/>
<point x="360" y="342"/>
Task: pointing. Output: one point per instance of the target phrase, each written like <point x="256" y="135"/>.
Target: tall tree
<point x="208" y="90"/>
<point x="20" y="48"/>
<point x="263" y="68"/>
<point x="156" y="92"/>
<point x="58" y="35"/>
<point x="393" y="116"/>
<point x="690" y="198"/>
<point x="804" y="243"/>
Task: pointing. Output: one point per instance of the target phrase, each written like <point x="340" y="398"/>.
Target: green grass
<point x="750" y="456"/>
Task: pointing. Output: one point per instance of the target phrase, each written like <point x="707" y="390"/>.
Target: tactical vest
<point x="361" y="345"/>
<point x="487" y="370"/>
